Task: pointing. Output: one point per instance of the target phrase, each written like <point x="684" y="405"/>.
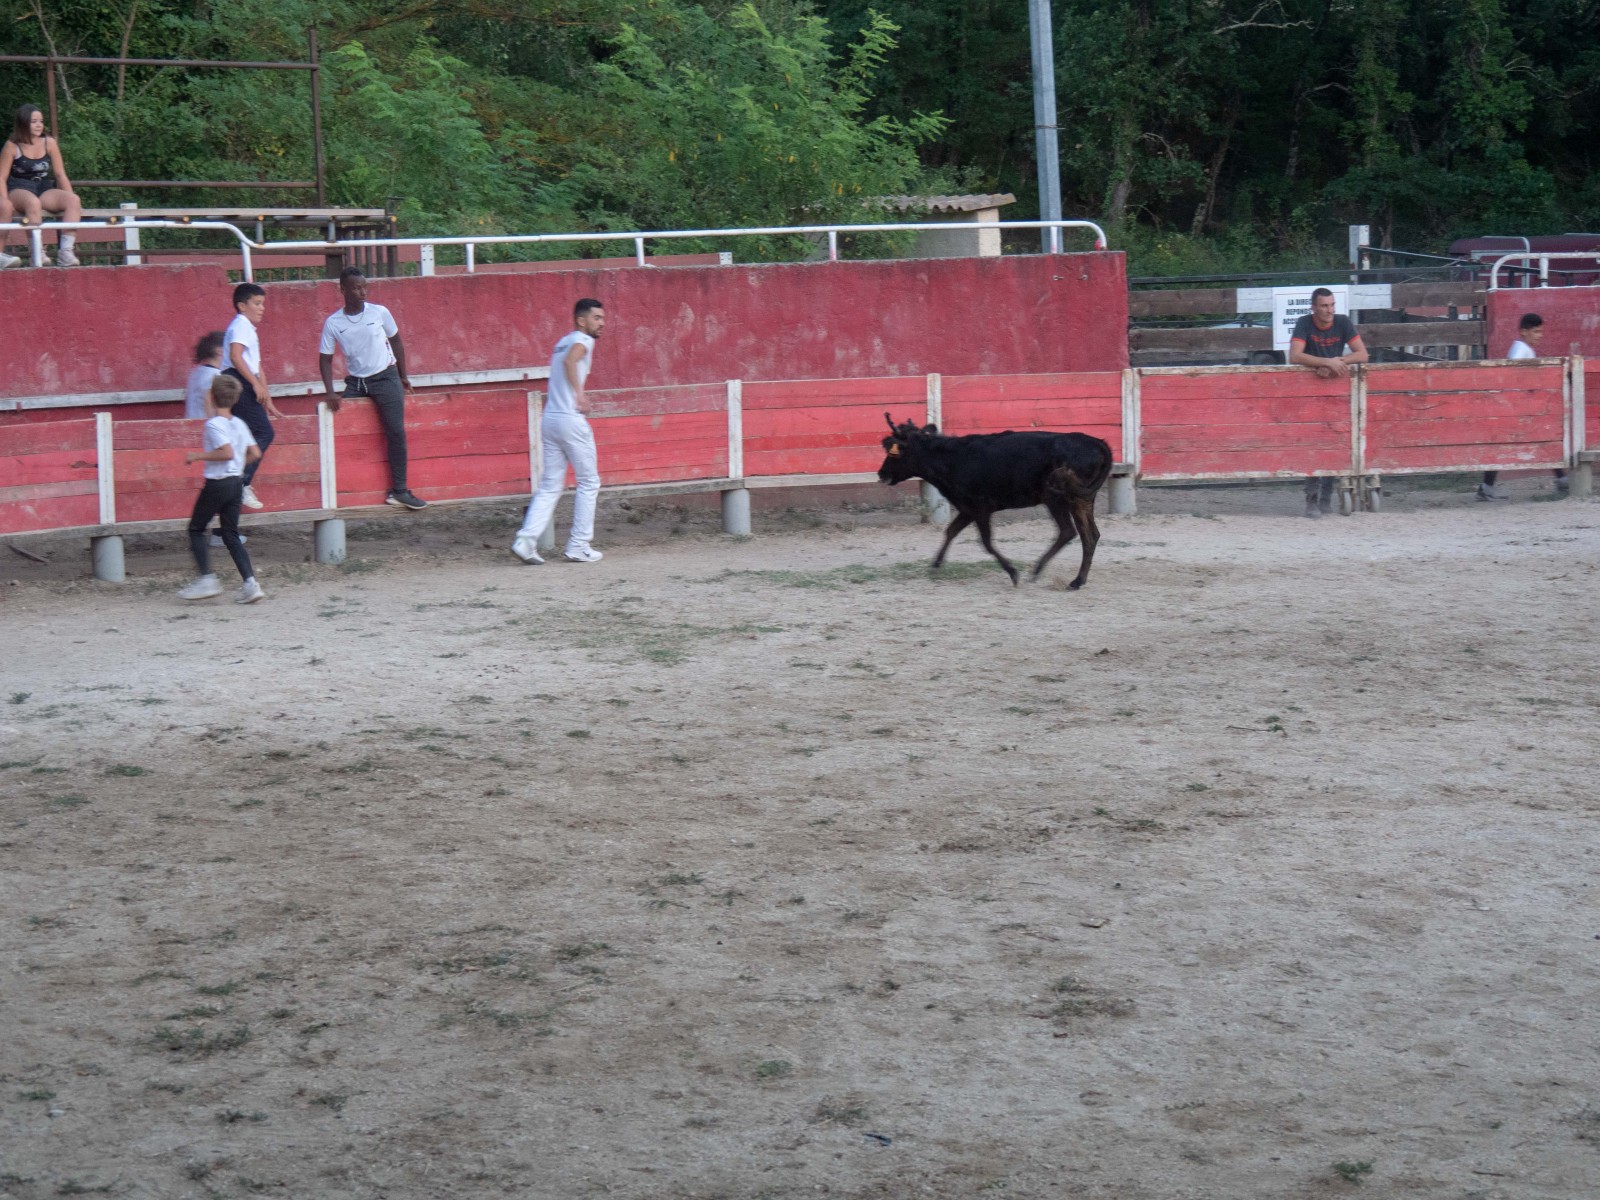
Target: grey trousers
<point x="389" y="398"/>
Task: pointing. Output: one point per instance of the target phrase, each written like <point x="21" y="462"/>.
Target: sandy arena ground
<point x="1265" y="866"/>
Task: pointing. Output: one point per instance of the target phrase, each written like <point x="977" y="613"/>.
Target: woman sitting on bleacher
<point x="36" y="179"/>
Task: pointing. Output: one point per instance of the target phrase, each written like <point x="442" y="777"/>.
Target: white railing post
<point x="36" y="247"/>
<point x="638" y="250"/>
<point x="833" y="245"/>
<point x="425" y="259"/>
<point x="472" y="259"/>
<point x="130" y="235"/>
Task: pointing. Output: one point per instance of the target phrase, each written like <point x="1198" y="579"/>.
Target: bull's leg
<point x="1065" y="531"/>
<point x="982" y="521"/>
<point x="1083" y="518"/>
<point x="951" y="531"/>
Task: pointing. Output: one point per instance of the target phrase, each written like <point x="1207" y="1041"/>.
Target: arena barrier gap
<point x="107" y="478"/>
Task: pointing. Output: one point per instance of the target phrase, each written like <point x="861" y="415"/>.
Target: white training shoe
<point x="583" y="554"/>
<point x="527" y="550"/>
<point x="250" y="499"/>
<point x="8" y="260"/>
<point x="66" y="258"/>
<point x="216" y="539"/>
<point x="201" y="589"/>
<point x="250" y="592"/>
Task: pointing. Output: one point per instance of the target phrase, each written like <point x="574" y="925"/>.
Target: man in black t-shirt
<point x="1328" y="343"/>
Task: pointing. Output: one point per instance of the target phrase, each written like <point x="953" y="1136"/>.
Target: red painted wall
<point x="132" y="328"/>
<point x="1571" y="319"/>
<point x="1464" y="415"/>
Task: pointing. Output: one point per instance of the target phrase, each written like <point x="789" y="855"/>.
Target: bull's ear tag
<point x="894" y="450"/>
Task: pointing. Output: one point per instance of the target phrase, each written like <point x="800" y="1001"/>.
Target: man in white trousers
<point x="567" y="438"/>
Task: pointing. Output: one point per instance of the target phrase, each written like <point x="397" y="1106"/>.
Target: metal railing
<point x="1543" y="258"/>
<point x="470" y="243"/>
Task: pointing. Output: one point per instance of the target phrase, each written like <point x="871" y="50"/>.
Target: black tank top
<point x="31" y="170"/>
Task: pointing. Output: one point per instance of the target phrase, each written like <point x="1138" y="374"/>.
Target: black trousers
<point x="219" y="498"/>
<point x="389" y="398"/>
<point x="249" y="410"/>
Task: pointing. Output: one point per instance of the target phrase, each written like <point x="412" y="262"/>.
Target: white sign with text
<point x="1288" y="304"/>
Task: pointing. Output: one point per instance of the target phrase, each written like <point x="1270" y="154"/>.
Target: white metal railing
<point x="1543" y="258"/>
<point x="470" y="243"/>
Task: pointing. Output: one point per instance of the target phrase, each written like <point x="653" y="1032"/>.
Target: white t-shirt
<point x="242" y="331"/>
<point x="559" y="399"/>
<point x="223" y="431"/>
<point x="364" y="338"/>
<point x="1521" y="349"/>
<point x="196" y="390"/>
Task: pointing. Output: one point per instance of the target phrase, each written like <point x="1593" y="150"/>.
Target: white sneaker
<point x="250" y="592"/>
<point x="250" y="499"/>
<point x="583" y="554"/>
<point x="216" y="539"/>
<point x="8" y="260"/>
<point x="66" y="258"/>
<point x="527" y="550"/>
<point x="1486" y="492"/>
<point x="201" y="589"/>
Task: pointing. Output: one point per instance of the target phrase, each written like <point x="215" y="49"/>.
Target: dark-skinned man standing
<point x="375" y="367"/>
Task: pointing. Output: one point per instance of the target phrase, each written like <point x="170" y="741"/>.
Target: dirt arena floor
<point x="1265" y="866"/>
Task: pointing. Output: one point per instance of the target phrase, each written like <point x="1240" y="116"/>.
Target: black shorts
<point x="37" y="186"/>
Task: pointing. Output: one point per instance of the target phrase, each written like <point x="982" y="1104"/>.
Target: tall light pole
<point x="1047" y="151"/>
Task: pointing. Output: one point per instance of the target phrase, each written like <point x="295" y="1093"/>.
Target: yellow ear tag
<point x="894" y="450"/>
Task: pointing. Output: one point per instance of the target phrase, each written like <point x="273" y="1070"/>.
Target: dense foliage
<point x="1203" y="131"/>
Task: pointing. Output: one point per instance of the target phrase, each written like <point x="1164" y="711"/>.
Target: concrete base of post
<point x="329" y="536"/>
<point x="736" y="512"/>
<point x="546" y="544"/>
<point x="1121" y="498"/>
<point x="108" y="562"/>
<point x="1582" y="476"/>
<point x="936" y="509"/>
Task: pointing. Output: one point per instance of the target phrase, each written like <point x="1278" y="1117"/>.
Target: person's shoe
<point x="527" y="550"/>
<point x="1325" y="505"/>
<point x="201" y="589"/>
<point x="1312" y="510"/>
<point x="8" y="260"/>
<point x="583" y="554"/>
<point x="250" y="499"/>
<point x="406" y="499"/>
<point x="250" y="592"/>
<point x="216" y="539"/>
<point x="66" y="257"/>
<point x="1487" y="492"/>
<point x="1563" y="484"/>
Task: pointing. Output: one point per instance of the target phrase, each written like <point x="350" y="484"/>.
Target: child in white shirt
<point x="229" y="448"/>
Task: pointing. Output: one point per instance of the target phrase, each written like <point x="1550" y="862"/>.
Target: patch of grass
<point x="221" y="989"/>
<point x="198" y="1012"/>
<point x="579" y="733"/>
<point x="197" y="1043"/>
<point x="127" y="771"/>
<point x="73" y="1188"/>
<point x="36" y="1094"/>
<point x="1352" y="1172"/>
<point x="838" y="1112"/>
<point x="774" y="1068"/>
<point x="681" y="879"/>
<point x="1197" y="787"/>
<point x="20" y="697"/>
<point x="13" y="764"/>
<point x="48" y="771"/>
<point x="838" y="578"/>
<point x="332" y="1101"/>
<point x="1078" y="1000"/>
<point x="70" y="800"/>
<point x="233" y="1116"/>
<point x="248" y="802"/>
<point x="577" y="950"/>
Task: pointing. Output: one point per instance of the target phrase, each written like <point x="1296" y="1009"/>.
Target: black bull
<point x="982" y="473"/>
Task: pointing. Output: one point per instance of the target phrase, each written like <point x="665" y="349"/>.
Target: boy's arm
<point x="252" y="452"/>
<point x="220" y="454"/>
<point x="257" y="382"/>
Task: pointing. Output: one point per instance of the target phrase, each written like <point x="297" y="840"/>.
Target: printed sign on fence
<point x="1288" y="304"/>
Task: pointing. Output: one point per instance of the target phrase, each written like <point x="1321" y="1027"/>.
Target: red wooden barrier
<point x="1085" y="402"/>
<point x="1247" y="423"/>
<point x="49" y="476"/>
<point x="1591" y="408"/>
<point x="459" y="444"/>
<point x="153" y="484"/>
<point x="825" y="426"/>
<point x="661" y="434"/>
<point x="1464" y="416"/>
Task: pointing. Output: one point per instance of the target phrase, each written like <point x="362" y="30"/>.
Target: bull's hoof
<point x="1076" y="584"/>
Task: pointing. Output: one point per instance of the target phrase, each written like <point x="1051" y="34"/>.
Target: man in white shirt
<point x="566" y="437"/>
<point x="241" y="351"/>
<point x="1530" y="332"/>
<point x="375" y="367"/>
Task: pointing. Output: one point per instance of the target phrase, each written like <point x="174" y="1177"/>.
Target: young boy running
<point x="241" y="349"/>
<point x="229" y="449"/>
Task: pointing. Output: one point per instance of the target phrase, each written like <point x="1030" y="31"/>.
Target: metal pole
<point x="50" y="91"/>
<point x="1046" y="148"/>
<point x="316" y="118"/>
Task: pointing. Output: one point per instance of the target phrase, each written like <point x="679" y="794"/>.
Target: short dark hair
<point x="22" y="124"/>
<point x="246" y="290"/>
<point x="1319" y="294"/>
<point x="351" y="273"/>
<point x="209" y="346"/>
<point x="583" y="306"/>
<point x="1530" y="321"/>
<point x="225" y="391"/>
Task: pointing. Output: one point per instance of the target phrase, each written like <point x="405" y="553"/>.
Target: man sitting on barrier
<point x="1328" y="343"/>
<point x="375" y="366"/>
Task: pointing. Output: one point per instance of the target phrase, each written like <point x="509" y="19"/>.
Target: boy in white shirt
<point x="207" y="366"/>
<point x="229" y="450"/>
<point x="1530" y="332"/>
<point x="566" y="436"/>
<point x="241" y="348"/>
<point x="375" y="367"/>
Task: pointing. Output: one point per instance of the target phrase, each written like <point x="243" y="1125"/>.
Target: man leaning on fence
<point x="1328" y="343"/>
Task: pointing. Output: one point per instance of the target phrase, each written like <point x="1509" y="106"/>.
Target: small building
<point x="961" y="213"/>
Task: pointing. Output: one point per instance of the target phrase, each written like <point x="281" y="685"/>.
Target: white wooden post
<point x="1582" y="471"/>
<point x="327" y="464"/>
<point x="425" y="263"/>
<point x="106" y="549"/>
<point x="736" y="500"/>
<point x="935" y="508"/>
<point x="130" y="236"/>
<point x="546" y="541"/>
<point x="1349" y="501"/>
<point x="1121" y="495"/>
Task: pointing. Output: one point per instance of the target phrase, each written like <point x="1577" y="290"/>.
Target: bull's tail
<point x="1082" y="482"/>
